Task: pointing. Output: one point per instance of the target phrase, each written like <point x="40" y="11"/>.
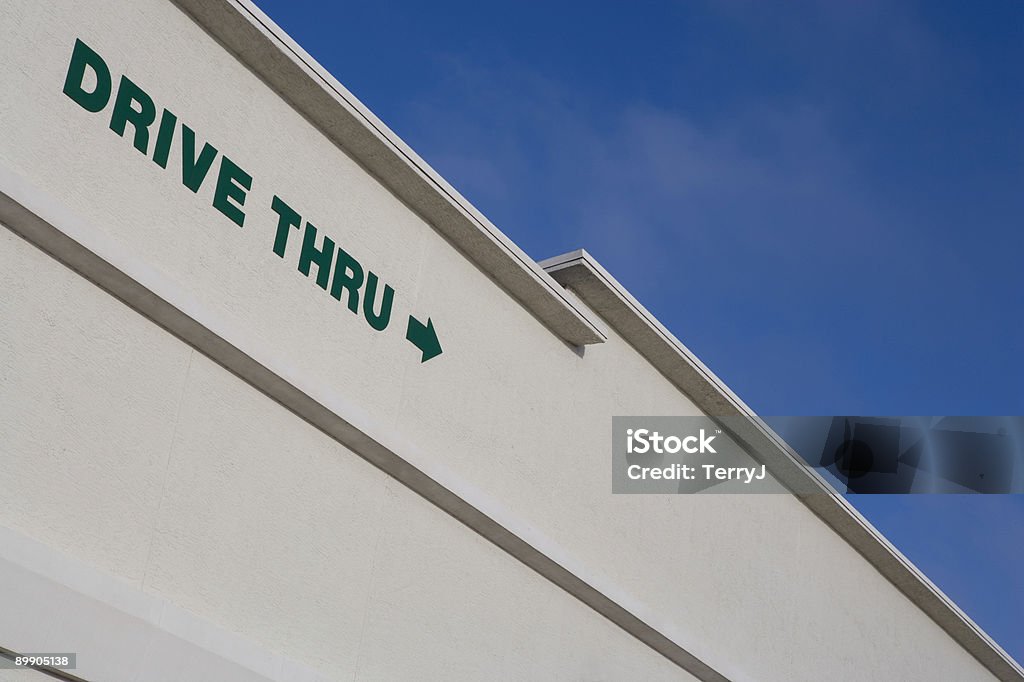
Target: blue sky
<point x="822" y="199"/>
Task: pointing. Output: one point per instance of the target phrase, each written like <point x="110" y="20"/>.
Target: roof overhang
<point x="269" y="53"/>
<point x="579" y="272"/>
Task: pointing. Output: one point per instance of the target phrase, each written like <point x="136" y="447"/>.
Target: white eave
<point x="269" y="53"/>
<point x="580" y="273"/>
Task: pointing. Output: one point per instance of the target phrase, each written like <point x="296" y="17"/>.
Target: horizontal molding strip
<point x="47" y="224"/>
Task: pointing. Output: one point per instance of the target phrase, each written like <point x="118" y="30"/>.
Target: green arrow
<point x="423" y="337"/>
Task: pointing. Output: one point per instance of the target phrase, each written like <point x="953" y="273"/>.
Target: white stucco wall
<point x="125" y="448"/>
<point x="179" y="479"/>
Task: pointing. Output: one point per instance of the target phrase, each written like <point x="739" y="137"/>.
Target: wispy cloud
<point x="767" y="210"/>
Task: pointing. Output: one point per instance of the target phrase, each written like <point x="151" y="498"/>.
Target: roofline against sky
<point x="246" y="32"/>
<point x="595" y="286"/>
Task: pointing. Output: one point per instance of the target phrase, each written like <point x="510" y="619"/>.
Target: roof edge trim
<point x="595" y="286"/>
<point x="266" y="50"/>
